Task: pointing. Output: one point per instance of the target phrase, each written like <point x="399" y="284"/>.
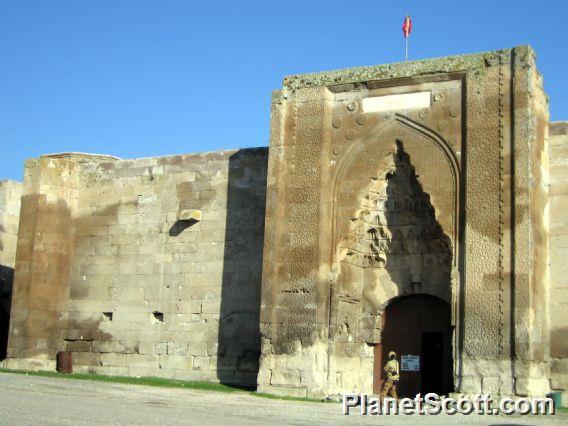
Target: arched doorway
<point x="417" y="325"/>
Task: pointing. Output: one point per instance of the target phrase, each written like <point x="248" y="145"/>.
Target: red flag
<point x="406" y="26"/>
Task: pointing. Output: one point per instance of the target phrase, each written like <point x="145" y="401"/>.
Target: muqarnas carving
<point x="395" y="247"/>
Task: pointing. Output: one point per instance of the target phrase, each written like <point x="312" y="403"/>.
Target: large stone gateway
<point x="401" y="207"/>
<point x="414" y="179"/>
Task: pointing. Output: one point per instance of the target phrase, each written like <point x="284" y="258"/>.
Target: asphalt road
<point x="33" y="400"/>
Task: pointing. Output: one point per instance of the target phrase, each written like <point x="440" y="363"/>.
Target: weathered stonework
<point x="10" y="193"/>
<point x="366" y="207"/>
<point x="558" y="152"/>
<point x="416" y="190"/>
<point x="107" y="271"/>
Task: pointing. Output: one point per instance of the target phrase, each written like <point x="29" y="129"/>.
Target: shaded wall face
<point x="10" y="193"/>
<point x="43" y="259"/>
<point x="148" y="294"/>
<point x="558" y="151"/>
<point x="484" y="115"/>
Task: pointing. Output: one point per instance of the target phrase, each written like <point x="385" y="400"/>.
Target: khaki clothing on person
<point x="389" y="387"/>
<point x="392" y="377"/>
<point x="392" y="369"/>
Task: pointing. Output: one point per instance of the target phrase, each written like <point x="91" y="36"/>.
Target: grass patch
<point x="146" y="381"/>
<point x="158" y="382"/>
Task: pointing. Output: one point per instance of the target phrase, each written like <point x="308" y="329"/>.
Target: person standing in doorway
<point x="392" y="376"/>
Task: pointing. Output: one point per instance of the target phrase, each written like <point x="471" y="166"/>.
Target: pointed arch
<point x="376" y="135"/>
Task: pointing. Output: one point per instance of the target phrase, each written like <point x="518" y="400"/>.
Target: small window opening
<point x="107" y="316"/>
<point x="158" y="316"/>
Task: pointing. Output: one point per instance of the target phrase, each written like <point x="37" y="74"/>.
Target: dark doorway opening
<point x="417" y="325"/>
<point x="433" y="361"/>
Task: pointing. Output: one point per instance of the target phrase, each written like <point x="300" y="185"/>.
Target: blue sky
<point x="136" y="78"/>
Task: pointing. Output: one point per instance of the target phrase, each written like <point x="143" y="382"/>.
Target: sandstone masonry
<point x="558" y="262"/>
<point x="107" y="271"/>
<point x="10" y="194"/>
<point x="426" y="178"/>
<point x="416" y="207"/>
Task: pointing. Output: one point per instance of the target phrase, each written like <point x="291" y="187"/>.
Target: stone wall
<point x="558" y="150"/>
<point x="147" y="267"/>
<point x="152" y="267"/>
<point x="477" y="141"/>
<point x="10" y="193"/>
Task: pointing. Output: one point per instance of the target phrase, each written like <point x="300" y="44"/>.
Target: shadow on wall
<point x="419" y="261"/>
<point x="397" y="240"/>
<point x="180" y="226"/>
<point x="238" y="349"/>
<point x="396" y="250"/>
<point x="6" y="282"/>
<point x="419" y="252"/>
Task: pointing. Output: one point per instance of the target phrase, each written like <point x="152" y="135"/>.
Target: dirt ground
<point x="44" y="400"/>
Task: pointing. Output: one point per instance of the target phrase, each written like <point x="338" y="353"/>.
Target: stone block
<point x="115" y="346"/>
<point x="142" y="361"/>
<point x="285" y="378"/>
<point x="201" y="363"/>
<point x="198" y="348"/>
<point x="470" y="385"/>
<point x="211" y="306"/>
<point x="176" y="362"/>
<point x="160" y="348"/>
<point x="497" y="385"/>
<point x="559" y="366"/>
<point x="185" y="306"/>
<point x="146" y="347"/>
<point x="191" y="215"/>
<point x="86" y="359"/>
<point x="532" y="386"/>
<point x="110" y="370"/>
<point x="178" y="348"/>
<point x="113" y="360"/>
<point x="121" y="316"/>
<point x="79" y="346"/>
<point x="559" y="381"/>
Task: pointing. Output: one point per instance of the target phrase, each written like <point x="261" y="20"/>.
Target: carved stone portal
<point x="458" y="210"/>
<point x="395" y="246"/>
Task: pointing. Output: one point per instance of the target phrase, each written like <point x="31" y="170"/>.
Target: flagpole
<point x="406" y="29"/>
